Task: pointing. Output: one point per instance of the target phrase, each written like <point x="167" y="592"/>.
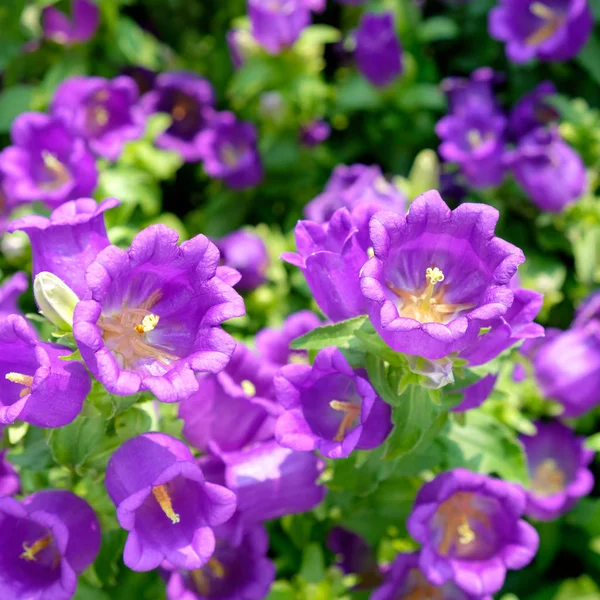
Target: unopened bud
<point x="435" y="373"/>
<point x="55" y="299"/>
<point x="425" y="173"/>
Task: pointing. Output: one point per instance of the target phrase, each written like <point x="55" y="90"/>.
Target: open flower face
<point x="437" y="276"/>
<point x="154" y="317"/>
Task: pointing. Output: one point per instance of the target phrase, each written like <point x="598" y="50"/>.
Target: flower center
<point x="230" y="155"/>
<point x="55" y="172"/>
<point x="124" y="333"/>
<point x="426" y="306"/>
<point x="24" y="380"/>
<point x="551" y="22"/>
<point x="547" y="479"/>
<point x="30" y="552"/>
<point x="420" y="589"/>
<point x="351" y="413"/>
<point x="457" y="516"/>
<point x="248" y="387"/>
<point x="161" y="493"/>
<point x="200" y="577"/>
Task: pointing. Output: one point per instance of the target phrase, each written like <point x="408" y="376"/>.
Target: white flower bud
<point x="55" y="299"/>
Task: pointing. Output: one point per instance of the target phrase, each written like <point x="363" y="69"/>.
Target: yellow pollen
<point x="474" y="138"/>
<point x="248" y="387"/>
<point x="101" y="116"/>
<point x="548" y="479"/>
<point x="229" y="155"/>
<point x="217" y="568"/>
<point x="30" y="552"/>
<point x="149" y="323"/>
<point x="161" y="494"/>
<point x="24" y="380"/>
<point x="434" y="275"/>
<point x="200" y="581"/>
<point x="57" y="170"/>
<point x="551" y="22"/>
<point x="465" y="534"/>
<point x="351" y="412"/>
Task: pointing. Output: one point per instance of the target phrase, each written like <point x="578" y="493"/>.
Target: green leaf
<point x="72" y="444"/>
<point x="33" y="453"/>
<point x="582" y="588"/>
<point x="313" y="564"/>
<point x="13" y="101"/>
<point x="589" y="58"/>
<point x="138" y="46"/>
<point x="494" y="446"/>
<point x="339" y="335"/>
<point x="438" y="28"/>
<point x="282" y="590"/>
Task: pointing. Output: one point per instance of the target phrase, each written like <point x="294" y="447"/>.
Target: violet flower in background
<point x="567" y="368"/>
<point x="548" y="170"/>
<point x="143" y="77"/>
<point x="81" y="27"/>
<point x="101" y="111"/>
<point x="46" y="162"/>
<point x="35" y="385"/>
<point x="68" y="241"/>
<point x="229" y="151"/>
<point x="277" y="24"/>
<point x="471" y="531"/>
<point x="437" y="276"/>
<point x="405" y="579"/>
<point x="189" y="100"/>
<point x="354" y="556"/>
<point x="363" y="190"/>
<point x="269" y="481"/>
<point x="331" y="258"/>
<point x="558" y="468"/>
<point x="9" y="478"/>
<point x="234" y="408"/>
<point x="48" y="539"/>
<point x="329" y="407"/>
<point x="475" y="93"/>
<point x="551" y="30"/>
<point x="238" y="570"/>
<point x="154" y="316"/>
<point x="531" y="111"/>
<point x="378" y="50"/>
<point x="165" y="504"/>
<point x="10" y="290"/>
<point x="314" y="133"/>
<point x="474" y="140"/>
<point x="245" y="252"/>
<point x="274" y="344"/>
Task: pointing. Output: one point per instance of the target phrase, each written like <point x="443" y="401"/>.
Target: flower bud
<point x="435" y="373"/>
<point x="55" y="299"/>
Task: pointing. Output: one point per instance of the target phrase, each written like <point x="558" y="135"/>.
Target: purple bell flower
<point x="532" y="112"/>
<point x="269" y="481"/>
<point x="69" y="240"/>
<point x="548" y="170"/>
<point x="35" y="385"/>
<point x="238" y="570"/>
<point x="233" y="408"/>
<point x="330" y="257"/>
<point x="277" y="24"/>
<point x="48" y="539"/>
<point x="474" y="140"/>
<point x="153" y="318"/>
<point x="567" y="368"/>
<point x="471" y="531"/>
<point x="314" y="133"/>
<point x="189" y="100"/>
<point x="363" y="190"/>
<point x="46" y="162"/>
<point x="354" y="556"/>
<point x="274" y="344"/>
<point x="433" y="245"/>
<point x="329" y="407"/>
<point x="558" y="468"/>
<point x="164" y="502"/>
<point x="10" y="483"/>
<point x="10" y="290"/>
<point x="551" y="30"/>
<point x="378" y="50"/>
<point x="103" y="112"/>
<point x="406" y="580"/>
<point x="228" y="148"/>
<point x="246" y="253"/>
<point x="82" y="26"/>
<point x="475" y="93"/>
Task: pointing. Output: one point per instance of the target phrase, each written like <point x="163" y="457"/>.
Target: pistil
<point x="24" y="380"/>
<point x="548" y="479"/>
<point x="551" y="21"/>
<point x="161" y="494"/>
<point x="57" y="170"/>
<point x="30" y="552"/>
<point x="351" y="412"/>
